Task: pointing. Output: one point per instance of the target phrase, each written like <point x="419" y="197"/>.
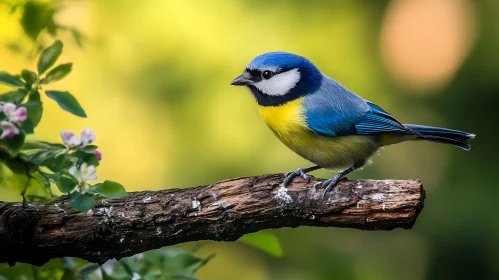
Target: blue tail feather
<point x="443" y="135"/>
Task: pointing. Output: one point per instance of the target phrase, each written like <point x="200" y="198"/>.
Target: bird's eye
<point x="267" y="74"/>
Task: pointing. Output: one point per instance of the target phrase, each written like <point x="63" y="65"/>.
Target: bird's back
<point x="333" y="108"/>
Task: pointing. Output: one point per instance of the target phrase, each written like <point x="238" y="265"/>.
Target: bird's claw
<point x="329" y="184"/>
<point x="292" y="174"/>
<point x="318" y="185"/>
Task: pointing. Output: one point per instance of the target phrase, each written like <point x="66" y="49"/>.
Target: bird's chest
<point x="286" y="121"/>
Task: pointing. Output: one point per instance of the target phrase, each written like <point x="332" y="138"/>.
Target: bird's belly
<point x="335" y="153"/>
<point x="329" y="152"/>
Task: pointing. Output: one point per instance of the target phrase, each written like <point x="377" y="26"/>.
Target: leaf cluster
<point x="48" y="163"/>
<point x="161" y="264"/>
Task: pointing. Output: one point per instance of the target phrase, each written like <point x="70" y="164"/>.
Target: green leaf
<point x="52" y="28"/>
<point x="114" y="275"/>
<point x="44" y="181"/>
<point x="34" y="107"/>
<point x="89" y="148"/>
<point x="202" y="263"/>
<point x="10" y="80"/>
<point x="12" y="145"/>
<point x="36" y="16"/>
<point x="38" y="189"/>
<point x="56" y="162"/>
<point x="81" y="202"/>
<point x="16" y="165"/>
<point x="35" y="145"/>
<point x="88" y="158"/>
<point x="57" y="73"/>
<point x="53" y="264"/>
<point x="49" y="56"/>
<point x="55" y="146"/>
<point x="15" y="96"/>
<point x="14" y="7"/>
<point x="87" y="269"/>
<point x="129" y="266"/>
<point x="105" y="276"/>
<point x="264" y="241"/>
<point x="78" y="37"/>
<point x="67" y="102"/>
<point x="54" y="158"/>
<point x="52" y="177"/>
<point x="67" y="184"/>
<point x="18" y="271"/>
<point x="179" y="262"/>
<point x="28" y="76"/>
<point x="91" y="159"/>
<point x="39" y="157"/>
<point x="68" y="263"/>
<point x="27" y="127"/>
<point x="109" y="189"/>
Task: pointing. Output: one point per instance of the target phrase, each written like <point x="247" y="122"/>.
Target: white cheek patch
<point x="279" y="84"/>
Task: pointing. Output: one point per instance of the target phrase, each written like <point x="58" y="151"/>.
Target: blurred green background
<point x="153" y="77"/>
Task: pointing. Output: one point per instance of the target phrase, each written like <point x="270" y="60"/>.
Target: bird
<point x="323" y="121"/>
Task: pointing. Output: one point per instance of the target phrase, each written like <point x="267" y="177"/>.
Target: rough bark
<point x="223" y="211"/>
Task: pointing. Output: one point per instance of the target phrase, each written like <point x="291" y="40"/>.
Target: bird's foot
<point x="329" y="184"/>
<point x="292" y="174"/>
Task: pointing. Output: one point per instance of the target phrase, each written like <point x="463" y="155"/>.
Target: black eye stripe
<point x="254" y="73"/>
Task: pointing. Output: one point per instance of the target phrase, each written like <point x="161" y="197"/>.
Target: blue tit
<point x="323" y="121"/>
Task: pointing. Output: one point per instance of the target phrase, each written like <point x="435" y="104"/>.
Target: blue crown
<point x="281" y="60"/>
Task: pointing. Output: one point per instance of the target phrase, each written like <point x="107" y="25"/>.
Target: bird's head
<point x="276" y="78"/>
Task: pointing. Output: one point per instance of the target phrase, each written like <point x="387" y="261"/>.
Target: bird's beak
<point x="241" y="81"/>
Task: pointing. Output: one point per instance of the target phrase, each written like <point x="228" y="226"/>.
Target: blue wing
<point x="334" y="110"/>
<point x="376" y="121"/>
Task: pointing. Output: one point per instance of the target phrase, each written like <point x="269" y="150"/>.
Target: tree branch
<point x="223" y="211"/>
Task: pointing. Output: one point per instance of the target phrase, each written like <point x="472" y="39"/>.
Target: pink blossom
<point x="13" y="113"/>
<point x="98" y="154"/>
<point x="20" y="115"/>
<point x="87" y="137"/>
<point x="8" y="108"/>
<point x="8" y="129"/>
<point x="69" y="138"/>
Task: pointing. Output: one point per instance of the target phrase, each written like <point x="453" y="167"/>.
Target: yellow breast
<point x="285" y="120"/>
<point x="288" y="123"/>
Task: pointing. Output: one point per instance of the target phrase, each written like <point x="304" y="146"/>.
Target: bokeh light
<point x="424" y="42"/>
